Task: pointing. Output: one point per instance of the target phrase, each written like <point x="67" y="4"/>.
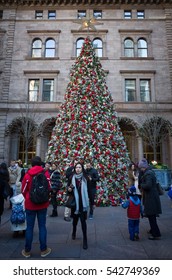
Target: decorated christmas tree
<point x="87" y="128"/>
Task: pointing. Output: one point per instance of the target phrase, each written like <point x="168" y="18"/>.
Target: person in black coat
<point x="93" y="178"/>
<point x="56" y="184"/>
<point x="4" y="186"/>
<point x="151" y="200"/>
<point x="69" y="173"/>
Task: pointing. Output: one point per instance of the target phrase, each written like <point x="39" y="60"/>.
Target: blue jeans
<point x="133" y="227"/>
<point x="30" y="219"/>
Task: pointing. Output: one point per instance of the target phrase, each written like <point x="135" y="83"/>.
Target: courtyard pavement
<point x="108" y="237"/>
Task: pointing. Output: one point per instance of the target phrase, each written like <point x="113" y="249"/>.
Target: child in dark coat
<point x="134" y="209"/>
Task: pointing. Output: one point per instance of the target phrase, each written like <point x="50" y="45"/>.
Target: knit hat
<point x="143" y="163"/>
<point x="132" y="190"/>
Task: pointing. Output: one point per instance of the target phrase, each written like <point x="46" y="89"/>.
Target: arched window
<point x="37" y="48"/>
<point x="50" y="48"/>
<point x="98" y="46"/>
<point x="142" y="48"/>
<point x="128" y="48"/>
<point x="79" y="44"/>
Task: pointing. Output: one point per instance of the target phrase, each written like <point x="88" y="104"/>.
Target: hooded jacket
<point x="26" y="185"/>
<point x="133" y="206"/>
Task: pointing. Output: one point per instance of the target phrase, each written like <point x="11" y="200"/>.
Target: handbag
<point x="71" y="203"/>
<point x="160" y="189"/>
<point x="17" y="199"/>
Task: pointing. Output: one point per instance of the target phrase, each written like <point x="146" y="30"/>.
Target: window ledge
<point x="101" y="58"/>
<point x="136" y="58"/>
<point x="41" y="58"/>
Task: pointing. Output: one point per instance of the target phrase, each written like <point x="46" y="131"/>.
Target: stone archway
<point x="130" y="130"/>
<point x="44" y="134"/>
<point x="21" y="134"/>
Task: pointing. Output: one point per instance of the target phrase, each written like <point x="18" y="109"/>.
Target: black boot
<point x="85" y="245"/>
<point x="54" y="213"/>
<point x="74" y="233"/>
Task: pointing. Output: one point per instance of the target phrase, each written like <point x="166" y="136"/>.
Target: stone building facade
<point x="39" y="42"/>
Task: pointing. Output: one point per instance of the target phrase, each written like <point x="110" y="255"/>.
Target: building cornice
<point x="83" y="2"/>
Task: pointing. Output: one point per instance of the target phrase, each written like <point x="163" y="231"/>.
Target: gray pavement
<point x="108" y="237"/>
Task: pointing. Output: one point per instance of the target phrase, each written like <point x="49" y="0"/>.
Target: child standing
<point x="134" y="209"/>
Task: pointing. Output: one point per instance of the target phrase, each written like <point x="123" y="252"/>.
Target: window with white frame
<point x="138" y="90"/>
<point x="141" y="14"/>
<point x="37" y="48"/>
<point x="38" y="14"/>
<point x="41" y="90"/>
<point x="98" y="47"/>
<point x="81" y="14"/>
<point x="97" y="14"/>
<point x="142" y="48"/>
<point x="130" y="90"/>
<point x="33" y="89"/>
<point x="50" y="48"/>
<point x="137" y="48"/>
<point x="79" y="44"/>
<point x="145" y="92"/>
<point x="51" y="14"/>
<point x="43" y="49"/>
<point x="48" y="90"/>
<point x="128" y="14"/>
<point x="128" y="48"/>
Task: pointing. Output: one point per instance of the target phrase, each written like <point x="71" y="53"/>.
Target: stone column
<point x="140" y="147"/>
<point x="38" y="146"/>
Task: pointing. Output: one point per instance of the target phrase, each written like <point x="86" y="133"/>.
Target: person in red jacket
<point x="35" y="210"/>
<point x="134" y="209"/>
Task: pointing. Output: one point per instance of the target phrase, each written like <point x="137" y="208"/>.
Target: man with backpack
<point x="36" y="188"/>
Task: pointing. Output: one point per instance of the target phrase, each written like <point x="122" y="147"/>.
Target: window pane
<point x="145" y="90"/>
<point x="142" y="48"/>
<point x="79" y="44"/>
<point x="38" y="14"/>
<point x="128" y="48"/>
<point x="97" y="45"/>
<point x="37" y="48"/>
<point x="140" y="14"/>
<point x="127" y="14"/>
<point x="81" y="13"/>
<point x="51" y="14"/>
<point x="97" y="14"/>
<point x="130" y="90"/>
<point x="1" y="14"/>
<point x="50" y="48"/>
<point x="48" y="90"/>
<point x="33" y="90"/>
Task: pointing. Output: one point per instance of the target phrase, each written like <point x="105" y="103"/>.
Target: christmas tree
<point x="87" y="128"/>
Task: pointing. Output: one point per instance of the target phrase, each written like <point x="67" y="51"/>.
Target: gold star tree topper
<point x="88" y="22"/>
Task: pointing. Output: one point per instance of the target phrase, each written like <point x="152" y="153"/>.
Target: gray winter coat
<point x="151" y="200"/>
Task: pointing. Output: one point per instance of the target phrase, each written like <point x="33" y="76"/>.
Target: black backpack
<point x="39" y="191"/>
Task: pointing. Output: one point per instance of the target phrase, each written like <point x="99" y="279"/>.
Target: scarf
<point x="84" y="192"/>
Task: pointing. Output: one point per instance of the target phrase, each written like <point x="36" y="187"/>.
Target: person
<point x="78" y="186"/>
<point x="69" y="172"/>
<point x="151" y="200"/>
<point x="15" y="175"/>
<point x="133" y="179"/>
<point x="20" y="164"/>
<point x="134" y="209"/>
<point x="56" y="184"/>
<point x="34" y="210"/>
<point x="4" y="186"/>
<point x="93" y="177"/>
